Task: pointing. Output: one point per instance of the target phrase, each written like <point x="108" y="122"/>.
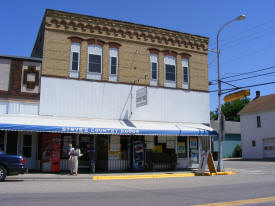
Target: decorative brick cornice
<point x="113" y="28"/>
<point x="75" y="39"/>
<point x="170" y="53"/>
<point x="185" y="56"/>
<point x="95" y="41"/>
<point x="114" y="45"/>
<point x="153" y="51"/>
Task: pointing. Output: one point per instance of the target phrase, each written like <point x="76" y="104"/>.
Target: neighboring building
<point x="117" y="86"/>
<point x="232" y="137"/>
<point x="258" y="128"/>
<point x="19" y="95"/>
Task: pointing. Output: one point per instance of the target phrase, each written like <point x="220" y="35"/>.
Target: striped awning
<point x="37" y="123"/>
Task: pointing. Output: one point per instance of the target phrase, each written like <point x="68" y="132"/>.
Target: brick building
<point x="118" y="86"/>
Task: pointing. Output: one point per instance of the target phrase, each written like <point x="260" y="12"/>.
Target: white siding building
<point x="258" y="128"/>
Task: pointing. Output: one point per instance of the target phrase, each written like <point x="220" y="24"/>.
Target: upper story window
<point x="75" y="59"/>
<point x="154" y="69"/>
<point x="185" y="73"/>
<point x="113" y="68"/>
<point x="170" y="71"/>
<point x="259" y="122"/>
<point x="94" y="62"/>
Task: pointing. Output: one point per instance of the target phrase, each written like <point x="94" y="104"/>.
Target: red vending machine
<point x="50" y="159"/>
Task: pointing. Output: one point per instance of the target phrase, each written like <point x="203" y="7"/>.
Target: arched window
<point x="94" y="70"/>
<point x="170" y="71"/>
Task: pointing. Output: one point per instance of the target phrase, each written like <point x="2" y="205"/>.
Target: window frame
<point x="259" y="123"/>
<point x="95" y="49"/>
<point x="113" y="53"/>
<point x="170" y="60"/>
<point x="185" y="64"/>
<point x="75" y="48"/>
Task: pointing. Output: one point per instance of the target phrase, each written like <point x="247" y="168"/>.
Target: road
<point x="254" y="180"/>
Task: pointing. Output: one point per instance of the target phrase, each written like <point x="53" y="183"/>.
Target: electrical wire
<point x="249" y="86"/>
<point x="245" y="73"/>
<point x="234" y="80"/>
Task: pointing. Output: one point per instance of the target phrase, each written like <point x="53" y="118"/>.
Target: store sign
<point x="141" y="97"/>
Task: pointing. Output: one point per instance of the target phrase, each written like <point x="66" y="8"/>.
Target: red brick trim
<point x="96" y="41"/>
<point x="114" y="45"/>
<point x="154" y="51"/>
<point x="31" y="84"/>
<point x="185" y="56"/>
<point x="75" y="39"/>
<point x="15" y="77"/>
<point x="170" y="53"/>
<point x="104" y="81"/>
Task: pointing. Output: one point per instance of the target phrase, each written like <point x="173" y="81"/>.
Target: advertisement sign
<point x="170" y="144"/>
<point x="115" y="143"/>
<point x="181" y="147"/>
<point x="138" y="155"/>
<point x="141" y="97"/>
<point x="193" y="142"/>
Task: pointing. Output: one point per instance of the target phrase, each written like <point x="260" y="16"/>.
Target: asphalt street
<point x="255" y="179"/>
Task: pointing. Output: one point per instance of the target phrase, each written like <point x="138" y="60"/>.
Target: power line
<point x="245" y="73"/>
<point x="249" y="86"/>
<point x="234" y="80"/>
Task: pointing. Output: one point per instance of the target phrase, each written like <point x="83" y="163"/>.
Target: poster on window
<point x="194" y="156"/>
<point x="161" y="139"/>
<point x="149" y="145"/>
<point x="115" y="143"/>
<point x="171" y="138"/>
<point x="181" y="147"/>
<point x="193" y="142"/>
<point x="149" y="138"/>
<point x="170" y="144"/>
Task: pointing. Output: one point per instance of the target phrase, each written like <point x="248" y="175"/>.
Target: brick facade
<point x="136" y="42"/>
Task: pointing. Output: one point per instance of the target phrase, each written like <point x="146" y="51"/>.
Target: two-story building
<point x="258" y="128"/>
<point x="125" y="89"/>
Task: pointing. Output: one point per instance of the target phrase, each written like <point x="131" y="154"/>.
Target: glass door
<point x="85" y="143"/>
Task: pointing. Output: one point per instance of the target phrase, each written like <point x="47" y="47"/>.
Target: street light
<point x="220" y="162"/>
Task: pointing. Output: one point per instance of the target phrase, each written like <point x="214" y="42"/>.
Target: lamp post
<point x="220" y="162"/>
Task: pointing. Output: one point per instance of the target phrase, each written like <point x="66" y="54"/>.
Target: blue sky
<point x="245" y="45"/>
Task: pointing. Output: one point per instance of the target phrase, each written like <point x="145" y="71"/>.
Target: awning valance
<point x="101" y="126"/>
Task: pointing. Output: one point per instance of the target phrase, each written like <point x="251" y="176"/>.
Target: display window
<point x="66" y="139"/>
<point x="182" y="147"/>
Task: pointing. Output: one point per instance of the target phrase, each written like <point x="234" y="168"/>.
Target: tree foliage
<point x="231" y="110"/>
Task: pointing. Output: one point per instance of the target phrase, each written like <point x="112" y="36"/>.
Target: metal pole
<point x="220" y="167"/>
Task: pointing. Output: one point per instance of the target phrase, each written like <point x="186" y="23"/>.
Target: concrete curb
<point x="158" y="176"/>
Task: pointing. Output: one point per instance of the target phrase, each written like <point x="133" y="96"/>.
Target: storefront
<point x="117" y="145"/>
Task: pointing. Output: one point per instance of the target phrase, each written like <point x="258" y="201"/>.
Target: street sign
<point x="236" y="95"/>
<point x="141" y="97"/>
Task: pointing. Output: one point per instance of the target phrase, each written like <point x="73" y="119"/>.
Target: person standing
<point x="71" y="150"/>
<point x="73" y="159"/>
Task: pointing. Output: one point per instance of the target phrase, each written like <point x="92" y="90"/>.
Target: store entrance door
<point x="85" y="143"/>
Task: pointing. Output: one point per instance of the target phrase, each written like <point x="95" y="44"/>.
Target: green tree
<point x="231" y="110"/>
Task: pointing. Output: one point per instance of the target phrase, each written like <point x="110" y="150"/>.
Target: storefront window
<point x="182" y="147"/>
<point x="27" y="145"/>
<point x="194" y="152"/>
<point x="65" y="141"/>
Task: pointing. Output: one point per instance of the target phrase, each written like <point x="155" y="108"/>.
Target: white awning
<point x="101" y="126"/>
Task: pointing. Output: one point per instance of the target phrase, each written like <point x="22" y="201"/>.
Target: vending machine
<point x="50" y="159"/>
<point x="138" y="155"/>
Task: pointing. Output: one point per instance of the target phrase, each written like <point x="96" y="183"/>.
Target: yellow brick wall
<point x="134" y="60"/>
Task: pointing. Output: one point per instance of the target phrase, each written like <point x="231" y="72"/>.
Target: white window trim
<point x="75" y="47"/>
<point x="154" y="59"/>
<point x="170" y="60"/>
<point x="185" y="63"/>
<point x="96" y="50"/>
<point x="113" y="53"/>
